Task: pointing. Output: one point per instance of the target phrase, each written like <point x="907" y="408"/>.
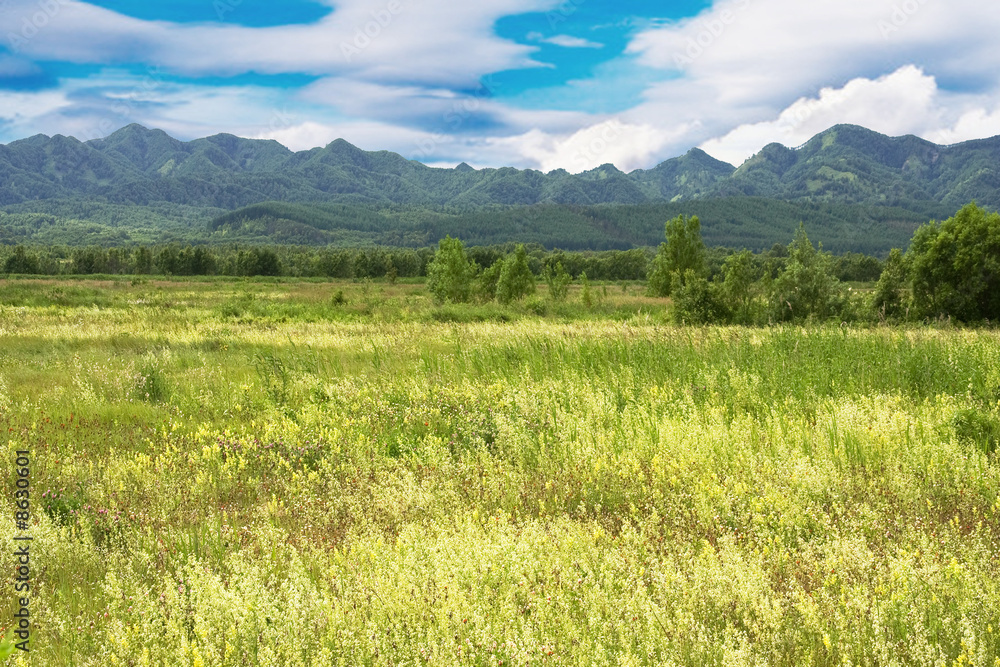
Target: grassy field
<point x="296" y="473"/>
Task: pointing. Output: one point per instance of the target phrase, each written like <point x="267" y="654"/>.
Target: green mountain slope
<point x="860" y="190"/>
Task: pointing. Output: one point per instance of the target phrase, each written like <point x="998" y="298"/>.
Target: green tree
<point x="696" y="301"/>
<point x="21" y="262"/>
<point x="684" y="251"/>
<point x="740" y="286"/>
<point x="450" y="275"/>
<point x="585" y="293"/>
<point x="887" y="301"/>
<point x="955" y="266"/>
<point x="489" y="278"/>
<point x="516" y="280"/>
<point x="558" y="280"/>
<point x="807" y="286"/>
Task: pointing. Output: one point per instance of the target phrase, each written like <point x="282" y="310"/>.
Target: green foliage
<point x="21" y="262"/>
<point x="487" y="281"/>
<point x="450" y="276"/>
<point x="586" y="294"/>
<point x="854" y="267"/>
<point x="684" y="251"/>
<point x="558" y="280"/>
<point x="696" y="301"/>
<point x="516" y="280"/>
<point x="151" y="384"/>
<point x="955" y="266"/>
<point x="740" y="288"/>
<point x="258" y="262"/>
<point x="888" y="298"/>
<point x="807" y="287"/>
<point x="661" y="279"/>
<point x="977" y="428"/>
<point x="274" y="374"/>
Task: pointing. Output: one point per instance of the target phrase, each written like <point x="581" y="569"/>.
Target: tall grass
<point x="397" y="486"/>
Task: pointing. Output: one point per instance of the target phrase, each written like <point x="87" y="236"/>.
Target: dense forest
<point x="748" y="222"/>
<point x="856" y="191"/>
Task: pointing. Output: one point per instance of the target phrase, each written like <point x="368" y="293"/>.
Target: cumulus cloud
<point x="747" y="72"/>
<point x="414" y="76"/>
<point x="904" y="102"/>
<point x="627" y="146"/>
<point x="908" y="101"/>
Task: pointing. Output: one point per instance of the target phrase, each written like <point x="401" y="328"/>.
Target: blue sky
<point x="544" y="84"/>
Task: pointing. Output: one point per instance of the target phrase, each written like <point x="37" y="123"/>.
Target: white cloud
<point x="973" y="124"/>
<point x="19" y="109"/>
<point x="434" y="42"/>
<point x="904" y="102"/>
<point x="908" y="101"/>
<point x="739" y="75"/>
<point x="570" y="42"/>
<point x="625" y="145"/>
<point x="364" y="134"/>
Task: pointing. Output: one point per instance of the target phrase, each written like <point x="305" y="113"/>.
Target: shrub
<point x="558" y="280"/>
<point x="516" y="280"/>
<point x="151" y="385"/>
<point x="740" y="287"/>
<point x="684" y="251"/>
<point x="21" y="262"/>
<point x="450" y="274"/>
<point x="887" y="301"/>
<point x="807" y="287"/>
<point x="696" y="301"/>
<point x="956" y="266"/>
<point x="976" y="428"/>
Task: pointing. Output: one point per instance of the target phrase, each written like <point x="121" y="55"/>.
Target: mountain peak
<point x="464" y="168"/>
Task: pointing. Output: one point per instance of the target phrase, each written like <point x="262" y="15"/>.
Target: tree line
<point x="951" y="270"/>
<point x="298" y="261"/>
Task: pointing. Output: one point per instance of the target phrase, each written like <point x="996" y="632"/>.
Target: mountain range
<point x="190" y="189"/>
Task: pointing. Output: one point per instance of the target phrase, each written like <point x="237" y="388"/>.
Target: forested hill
<point x="143" y="185"/>
<point x="139" y="166"/>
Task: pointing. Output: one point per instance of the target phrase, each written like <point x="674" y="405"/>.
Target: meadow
<point x="294" y="473"/>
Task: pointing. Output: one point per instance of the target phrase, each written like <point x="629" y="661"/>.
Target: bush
<point x="21" y="262"/>
<point x="487" y="283"/>
<point x="975" y="428"/>
<point x="558" y="280"/>
<point x="956" y="266"/>
<point x="684" y="251"/>
<point x="740" y="287"/>
<point x="151" y="385"/>
<point x="696" y="301"/>
<point x="807" y="287"/>
<point x="887" y="301"/>
<point x="450" y="275"/>
<point x="516" y="280"/>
